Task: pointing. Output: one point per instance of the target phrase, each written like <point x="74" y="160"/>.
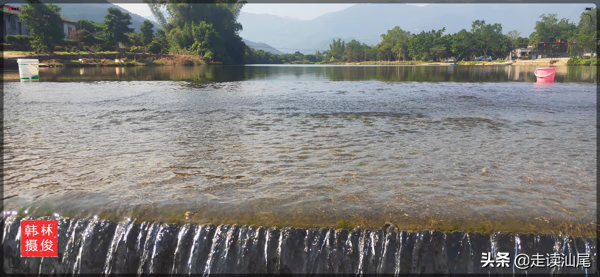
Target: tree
<point x="147" y="32"/>
<point x="550" y="29"/>
<point x="161" y="39"/>
<point x="420" y="45"/>
<point x="310" y="58"/>
<point x="502" y="48"/>
<point x="116" y="26"/>
<point x="204" y="38"/>
<point x="394" y="44"/>
<point x="354" y="51"/>
<point x="179" y="18"/>
<point x="463" y="45"/>
<point x="134" y="39"/>
<point x="44" y="23"/>
<point x="437" y="52"/>
<point x="90" y="26"/>
<point x="298" y="56"/>
<point x="154" y="47"/>
<point x="82" y="36"/>
<point x="521" y="42"/>
<point x="386" y="49"/>
<point x="587" y="33"/>
<point x="513" y="36"/>
<point x="337" y="50"/>
<point x="487" y="36"/>
<point x="319" y="56"/>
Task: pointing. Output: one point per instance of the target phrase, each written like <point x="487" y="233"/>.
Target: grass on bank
<point x="91" y="62"/>
<point x="582" y="61"/>
<point x="403" y="62"/>
<point x="31" y="53"/>
<point x="94" y="59"/>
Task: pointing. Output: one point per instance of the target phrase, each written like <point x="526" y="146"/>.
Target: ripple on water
<point x="394" y="149"/>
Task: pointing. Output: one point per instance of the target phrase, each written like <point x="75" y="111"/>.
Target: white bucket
<point x="29" y="69"/>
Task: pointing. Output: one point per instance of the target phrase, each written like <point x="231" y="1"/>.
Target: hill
<point x="262" y="46"/>
<point x="366" y="22"/>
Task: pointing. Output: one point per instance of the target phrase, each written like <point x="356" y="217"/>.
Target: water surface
<point x="306" y="145"/>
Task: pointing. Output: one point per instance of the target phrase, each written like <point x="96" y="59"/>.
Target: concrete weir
<point x="129" y="247"/>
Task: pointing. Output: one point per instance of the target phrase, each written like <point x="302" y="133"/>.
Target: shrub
<point x="73" y="49"/>
<point x="580" y="61"/>
<point x="68" y="43"/>
<point x="208" y="56"/>
<point x="188" y="62"/>
<point x="135" y="49"/>
<point x="573" y="61"/>
<point x="154" y="47"/>
<point x="86" y="48"/>
<point x="40" y="48"/>
<point x="20" y="41"/>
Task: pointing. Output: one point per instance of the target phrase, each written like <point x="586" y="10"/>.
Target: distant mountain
<point x="151" y="18"/>
<point x="96" y="12"/>
<point x="262" y="46"/>
<point x="366" y="22"/>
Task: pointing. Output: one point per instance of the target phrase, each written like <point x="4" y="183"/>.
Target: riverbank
<point x="87" y="62"/>
<point x="84" y="59"/>
<point x="538" y="62"/>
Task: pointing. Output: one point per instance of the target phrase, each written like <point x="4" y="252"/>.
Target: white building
<point x="522" y="52"/>
<point x="14" y="26"/>
<point x="68" y="26"/>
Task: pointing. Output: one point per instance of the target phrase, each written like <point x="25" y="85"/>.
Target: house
<point x="558" y="49"/>
<point x="68" y="26"/>
<point x="14" y="26"/>
<point x="522" y="52"/>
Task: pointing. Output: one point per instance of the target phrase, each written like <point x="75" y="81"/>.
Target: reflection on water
<point x="287" y="145"/>
<point x="334" y="73"/>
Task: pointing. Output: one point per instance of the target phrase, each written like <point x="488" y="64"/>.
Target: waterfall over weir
<point x="97" y="246"/>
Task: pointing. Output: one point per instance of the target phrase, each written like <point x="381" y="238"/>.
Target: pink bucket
<point x="545" y="75"/>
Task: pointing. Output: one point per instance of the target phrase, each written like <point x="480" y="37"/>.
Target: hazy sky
<point x="299" y="11"/>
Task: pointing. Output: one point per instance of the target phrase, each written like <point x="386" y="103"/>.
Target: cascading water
<point x="97" y="246"/>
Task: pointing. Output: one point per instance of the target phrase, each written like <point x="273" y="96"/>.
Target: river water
<point x="307" y="146"/>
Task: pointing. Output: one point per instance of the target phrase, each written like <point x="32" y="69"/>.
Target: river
<point x="463" y="147"/>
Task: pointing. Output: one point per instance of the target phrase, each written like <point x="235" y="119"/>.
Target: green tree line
<point x="211" y="31"/>
<point x="45" y="25"/>
<point x="482" y="39"/>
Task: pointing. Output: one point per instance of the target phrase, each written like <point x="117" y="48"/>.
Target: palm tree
<point x="337" y="49"/>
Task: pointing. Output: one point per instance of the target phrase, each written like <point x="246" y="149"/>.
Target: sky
<point x="297" y="11"/>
